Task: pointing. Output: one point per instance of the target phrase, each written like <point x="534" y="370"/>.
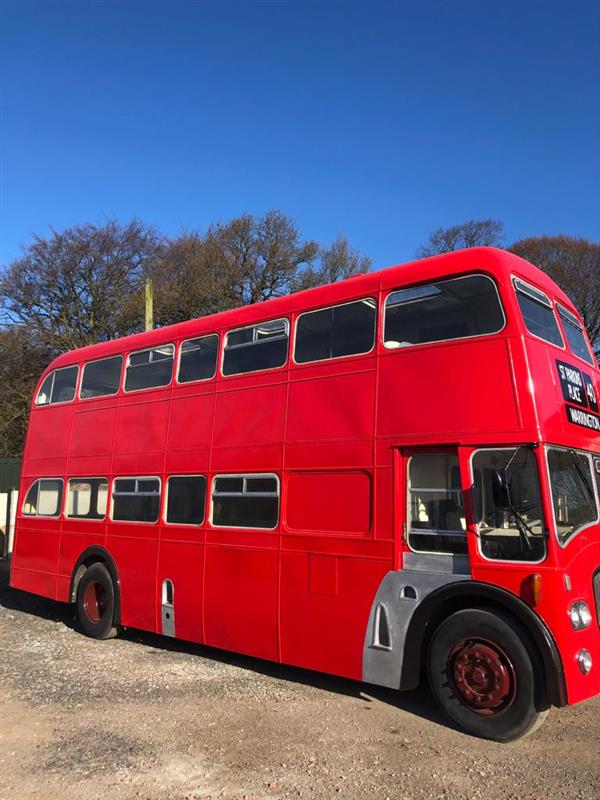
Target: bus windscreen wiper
<point x="583" y="477"/>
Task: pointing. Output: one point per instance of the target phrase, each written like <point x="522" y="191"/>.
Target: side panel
<point x="325" y="604"/>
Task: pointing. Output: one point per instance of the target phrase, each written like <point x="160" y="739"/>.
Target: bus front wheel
<point x="483" y="677"/>
<point x="96" y="603"/>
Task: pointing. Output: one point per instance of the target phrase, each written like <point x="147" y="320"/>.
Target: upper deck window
<point x="575" y="335"/>
<point x="344" y="330"/>
<point x="101" y="378"/>
<point x="149" y="368"/>
<point x="453" y="309"/>
<point x="58" y="387"/>
<point x="538" y="313"/>
<point x="198" y="359"/>
<point x="257" y="347"/>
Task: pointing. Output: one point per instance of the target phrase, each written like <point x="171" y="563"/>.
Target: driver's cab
<point x="491" y="495"/>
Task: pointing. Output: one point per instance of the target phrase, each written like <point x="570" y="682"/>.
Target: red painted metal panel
<point x="324" y="614"/>
<point x="340" y="502"/>
<point x="240" y="600"/>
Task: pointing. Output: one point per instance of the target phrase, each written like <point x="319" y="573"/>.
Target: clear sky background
<point x="380" y="121"/>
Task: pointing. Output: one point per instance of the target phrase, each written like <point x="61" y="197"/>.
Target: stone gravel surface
<point x="147" y="718"/>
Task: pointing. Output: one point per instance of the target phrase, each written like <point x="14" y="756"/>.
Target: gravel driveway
<point x="145" y="717"/>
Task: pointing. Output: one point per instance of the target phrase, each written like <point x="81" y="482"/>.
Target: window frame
<point x="135" y="478"/>
<point x="195" y="525"/>
<point x="53" y="374"/>
<point x="96" y="361"/>
<point x="179" y="351"/>
<point x="60" y="504"/>
<point x="549" y="304"/>
<point x="541" y="491"/>
<point x="244" y="328"/>
<point x="146" y="350"/>
<point x="565" y="316"/>
<point x="433" y="283"/>
<point x="453" y="534"/>
<point x="244" y="475"/>
<point x="84" y="478"/>
<point x="327" y="308"/>
<point x="590" y="456"/>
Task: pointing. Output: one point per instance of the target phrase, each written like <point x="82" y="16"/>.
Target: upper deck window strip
<point x="255" y="348"/>
<point x="449" y="309"/>
<point x="337" y="331"/>
<point x="149" y="368"/>
<point x="537" y="312"/>
<point x="574" y="331"/>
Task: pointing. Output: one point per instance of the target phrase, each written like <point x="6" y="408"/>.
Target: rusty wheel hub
<point x="483" y="675"/>
<point x="94" y="601"/>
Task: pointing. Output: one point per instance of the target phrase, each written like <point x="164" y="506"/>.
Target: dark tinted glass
<point x="245" y="511"/>
<point x="229" y="484"/>
<point x="575" y="335"/>
<point x="65" y="381"/>
<point x="343" y="330"/>
<point x="454" y="309"/>
<point x="149" y="368"/>
<point x="101" y="377"/>
<point x="185" y="500"/>
<point x="256" y="348"/>
<point x="538" y="314"/>
<point x="137" y="505"/>
<point x="198" y="359"/>
<point x="255" y="485"/>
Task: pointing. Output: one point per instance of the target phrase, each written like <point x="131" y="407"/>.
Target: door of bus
<point x="431" y="509"/>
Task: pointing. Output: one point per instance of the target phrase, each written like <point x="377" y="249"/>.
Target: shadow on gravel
<point x="418" y="702"/>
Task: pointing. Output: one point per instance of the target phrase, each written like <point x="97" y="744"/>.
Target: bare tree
<point x="334" y="263"/>
<point x="575" y="266"/>
<point x="22" y="360"/>
<point x="73" y="288"/>
<point x="473" y="233"/>
<point x="246" y="260"/>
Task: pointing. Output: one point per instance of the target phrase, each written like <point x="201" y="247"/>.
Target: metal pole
<point x="149" y="305"/>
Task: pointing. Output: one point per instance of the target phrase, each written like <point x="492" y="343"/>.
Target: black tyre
<point x="96" y="603"/>
<point x="483" y="677"/>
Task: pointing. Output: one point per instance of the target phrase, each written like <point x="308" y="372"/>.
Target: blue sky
<point x="380" y="121"/>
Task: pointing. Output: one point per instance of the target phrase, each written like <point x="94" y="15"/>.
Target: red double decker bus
<point x="393" y="474"/>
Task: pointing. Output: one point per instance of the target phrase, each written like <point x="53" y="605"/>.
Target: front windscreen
<point x="538" y="313"/>
<point x="575" y="335"/>
<point x="508" y="506"/>
<point x="573" y="496"/>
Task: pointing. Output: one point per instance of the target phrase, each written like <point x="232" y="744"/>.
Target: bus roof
<point x="497" y="262"/>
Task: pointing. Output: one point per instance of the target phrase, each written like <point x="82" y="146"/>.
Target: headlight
<point x="580" y="615"/>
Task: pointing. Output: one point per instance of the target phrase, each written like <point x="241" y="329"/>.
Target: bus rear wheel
<point x="96" y="603"/>
<point x="483" y="677"/>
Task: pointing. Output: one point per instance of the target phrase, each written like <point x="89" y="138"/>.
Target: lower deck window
<point x="87" y="498"/>
<point x="245" y="501"/>
<point x="44" y="498"/>
<point x="436" y="508"/>
<point x="186" y="496"/>
<point x="136" y="499"/>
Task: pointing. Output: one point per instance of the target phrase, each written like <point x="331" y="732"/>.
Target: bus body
<point x="397" y="471"/>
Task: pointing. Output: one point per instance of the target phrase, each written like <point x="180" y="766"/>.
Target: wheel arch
<point x="443" y="602"/>
<point x="96" y="555"/>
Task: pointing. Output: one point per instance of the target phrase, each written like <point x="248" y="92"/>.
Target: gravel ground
<point x="145" y="717"/>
